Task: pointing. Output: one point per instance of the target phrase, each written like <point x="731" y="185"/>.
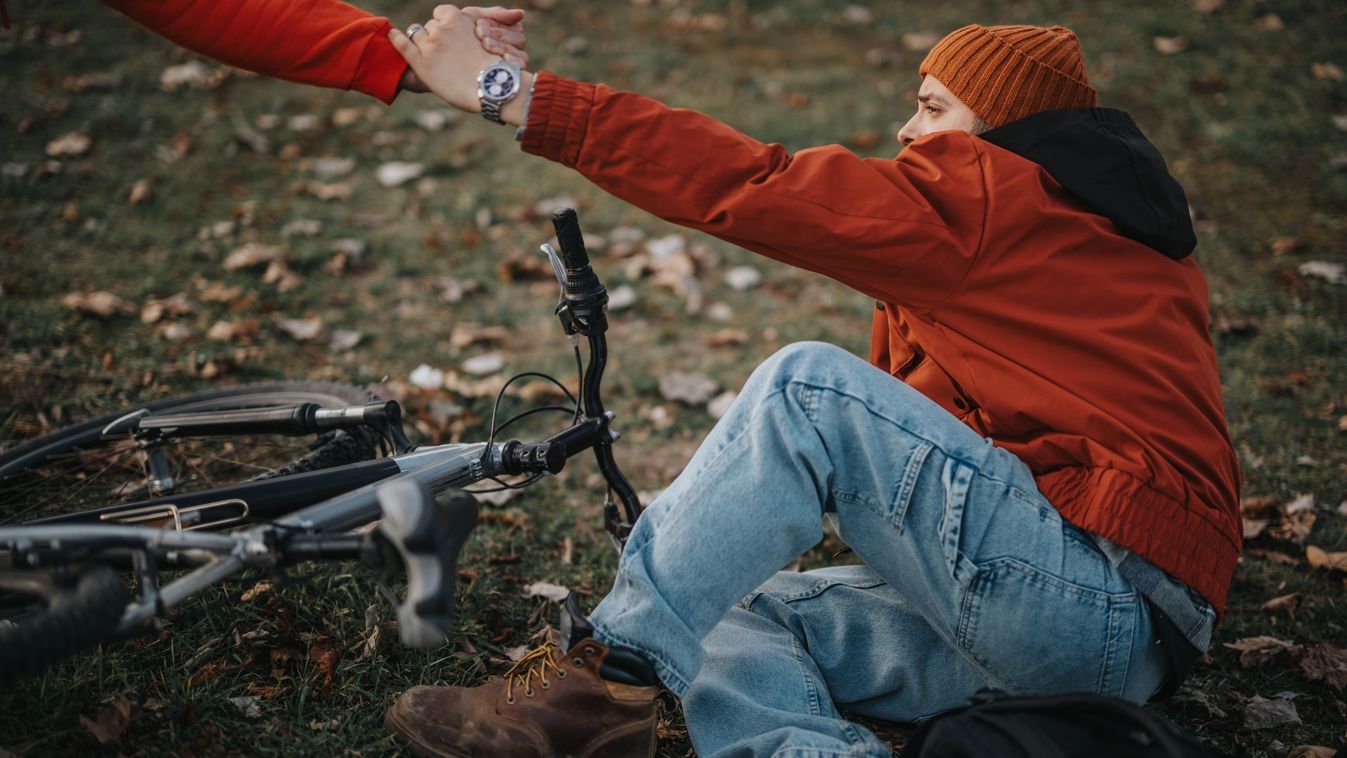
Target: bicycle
<point x="60" y="588"/>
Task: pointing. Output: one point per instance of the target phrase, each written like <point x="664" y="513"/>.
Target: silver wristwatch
<point x="497" y="85"/>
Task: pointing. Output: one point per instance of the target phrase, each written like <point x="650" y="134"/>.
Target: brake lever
<point x="427" y="537"/>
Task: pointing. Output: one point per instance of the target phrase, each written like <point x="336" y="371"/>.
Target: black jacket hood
<point x="1100" y="156"/>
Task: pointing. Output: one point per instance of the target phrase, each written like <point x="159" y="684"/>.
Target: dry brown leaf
<point x="1262" y="713"/>
<point x="867" y="139"/>
<point x="1312" y="751"/>
<point x="282" y="276"/>
<point x="1255" y="651"/>
<point x="728" y="337"/>
<point x="326" y="655"/>
<point x="1297" y="521"/>
<point x="472" y="334"/>
<point x="1270" y="23"/>
<point x="1330" y="71"/>
<point x="1170" y="45"/>
<point x="111" y="720"/>
<point x="156" y="309"/>
<point x="70" y="145"/>
<point x="253" y="592"/>
<point x="1286" y="603"/>
<point x="1325" y="663"/>
<point x="521" y="267"/>
<point x="301" y="329"/>
<point x="1285" y="245"/>
<point x="686" y="387"/>
<point x="1208" y="6"/>
<point x="335" y="191"/>
<point x="1320" y="558"/>
<point x="253" y="254"/>
<point x="102" y="304"/>
<point x="141" y="191"/>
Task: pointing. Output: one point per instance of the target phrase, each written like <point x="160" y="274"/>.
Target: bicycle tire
<point x="74" y="620"/>
<point x="330" y="449"/>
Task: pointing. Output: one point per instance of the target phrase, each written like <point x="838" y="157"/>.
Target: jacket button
<point x="879" y="306"/>
<point x="959" y="403"/>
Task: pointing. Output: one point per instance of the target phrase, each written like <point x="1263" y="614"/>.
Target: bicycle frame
<point x="340" y="499"/>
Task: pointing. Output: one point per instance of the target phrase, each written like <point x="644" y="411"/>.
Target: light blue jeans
<point x="971" y="578"/>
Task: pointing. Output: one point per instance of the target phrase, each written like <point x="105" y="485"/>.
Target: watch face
<point x="498" y="83"/>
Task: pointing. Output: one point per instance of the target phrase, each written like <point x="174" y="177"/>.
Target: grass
<point x="1239" y="113"/>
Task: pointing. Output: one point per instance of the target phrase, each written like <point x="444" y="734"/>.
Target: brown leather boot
<point x="548" y="704"/>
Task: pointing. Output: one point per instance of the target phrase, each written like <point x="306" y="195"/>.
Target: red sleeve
<point x="904" y="230"/>
<point x="322" y="42"/>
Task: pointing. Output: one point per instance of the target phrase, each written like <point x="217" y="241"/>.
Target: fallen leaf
<point x="253" y="254"/>
<point x="728" y="337"/>
<point x="465" y="335"/>
<point x="435" y="120"/>
<point x="1207" y="6"/>
<point x="689" y="388"/>
<point x="102" y="304"/>
<point x="1333" y="273"/>
<point x="302" y="122"/>
<point x="554" y="592"/>
<point x="69" y="145"/>
<point x="302" y="227"/>
<point x="191" y="74"/>
<point x="516" y="653"/>
<point x="1285" y="245"/>
<point x="344" y="340"/>
<point x="1262" y="713"/>
<point x="141" y="191"/>
<point x="1329" y="71"/>
<point x="621" y="298"/>
<point x="426" y="377"/>
<point x="1325" y="663"/>
<point x="1270" y="22"/>
<point x="1286" y="603"/>
<point x="301" y="329"/>
<point x="174" y="306"/>
<point x="1312" y="751"/>
<point x="741" y="278"/>
<point x="396" y="173"/>
<point x="253" y="592"/>
<point x="97" y="80"/>
<point x="174" y="331"/>
<point x="1256" y="651"/>
<point x="111" y="720"/>
<point x="326" y="655"/>
<point x="1201" y="698"/>
<point x="248" y="705"/>
<point x="487" y="363"/>
<point x="282" y="276"/>
<point x="857" y="15"/>
<point x="1319" y="558"/>
<point x="1170" y="45"/>
<point x="864" y="140"/>
<point x="328" y="168"/>
<point x="454" y="290"/>
<point x="519" y="266"/>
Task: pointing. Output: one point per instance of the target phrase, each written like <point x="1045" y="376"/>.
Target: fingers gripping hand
<point x="501" y="31"/>
<point x="446" y="56"/>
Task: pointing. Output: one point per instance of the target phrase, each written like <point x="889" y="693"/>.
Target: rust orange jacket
<point x="999" y="296"/>
<point x="322" y="42"/>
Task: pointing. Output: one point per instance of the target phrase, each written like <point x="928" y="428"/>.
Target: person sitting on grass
<point x="1033" y="465"/>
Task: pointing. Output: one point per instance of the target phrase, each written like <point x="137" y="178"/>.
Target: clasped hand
<point x="450" y="49"/>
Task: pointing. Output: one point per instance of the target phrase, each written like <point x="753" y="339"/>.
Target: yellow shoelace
<point x="535" y="663"/>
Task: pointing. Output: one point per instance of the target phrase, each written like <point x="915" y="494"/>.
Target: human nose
<point x="909" y="133"/>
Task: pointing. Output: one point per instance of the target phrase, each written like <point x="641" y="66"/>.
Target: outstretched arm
<point x="904" y="230"/>
<point x="327" y="43"/>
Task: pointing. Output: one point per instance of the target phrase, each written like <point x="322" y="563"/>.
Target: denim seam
<point x="815" y="702"/>
<point x="823" y="585"/>
<point x="908" y="485"/>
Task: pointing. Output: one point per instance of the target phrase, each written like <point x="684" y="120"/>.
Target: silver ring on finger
<point x="413" y="29"/>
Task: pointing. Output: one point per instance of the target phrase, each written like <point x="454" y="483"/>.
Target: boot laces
<point x="534" y="664"/>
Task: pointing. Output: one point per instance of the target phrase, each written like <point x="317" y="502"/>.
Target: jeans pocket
<point x="1032" y="631"/>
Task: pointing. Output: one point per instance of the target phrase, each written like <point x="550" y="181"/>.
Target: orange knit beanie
<point x="1004" y="73"/>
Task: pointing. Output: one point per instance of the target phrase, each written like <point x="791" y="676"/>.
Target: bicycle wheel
<point x="75" y="468"/>
<point x="45" y="623"/>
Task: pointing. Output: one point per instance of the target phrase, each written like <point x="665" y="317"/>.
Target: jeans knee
<point x="802" y="360"/>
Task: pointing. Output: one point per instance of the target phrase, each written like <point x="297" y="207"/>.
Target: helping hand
<point x="500" y="30"/>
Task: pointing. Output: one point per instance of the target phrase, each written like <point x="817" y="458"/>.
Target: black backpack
<point x="1050" y="726"/>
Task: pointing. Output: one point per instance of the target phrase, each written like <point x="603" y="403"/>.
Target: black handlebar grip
<point x="567" y="226"/>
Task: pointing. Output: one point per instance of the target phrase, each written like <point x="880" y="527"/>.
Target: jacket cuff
<point x="381" y="68"/>
<point x="558" y="118"/>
